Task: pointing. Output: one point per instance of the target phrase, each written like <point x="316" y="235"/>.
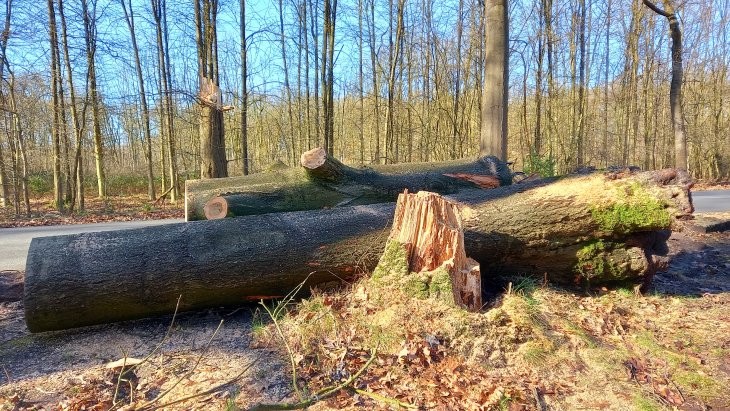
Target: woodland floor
<point x="538" y="348"/>
<point x="113" y="208"/>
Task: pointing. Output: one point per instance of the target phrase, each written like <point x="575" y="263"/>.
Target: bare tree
<point x="675" y="89"/>
<point x="496" y="80"/>
<point x="129" y="18"/>
<point x="212" y="136"/>
<point x="244" y="90"/>
<point x="90" y="41"/>
<point x="55" y="96"/>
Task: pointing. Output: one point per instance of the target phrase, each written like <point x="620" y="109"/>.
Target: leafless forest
<point x="94" y="91"/>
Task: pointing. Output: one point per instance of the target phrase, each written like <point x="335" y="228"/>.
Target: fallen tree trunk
<point x="324" y="182"/>
<point x="594" y="229"/>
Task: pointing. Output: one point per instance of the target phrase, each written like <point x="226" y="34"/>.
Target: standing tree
<point x="496" y="80"/>
<point x="129" y="17"/>
<point x="90" y="41"/>
<point x="328" y="64"/>
<point x="212" y="138"/>
<point x="244" y="91"/>
<point x="675" y="89"/>
<point x="56" y="96"/>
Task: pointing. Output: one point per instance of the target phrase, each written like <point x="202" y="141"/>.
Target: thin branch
<point x="320" y="395"/>
<point x="656" y="9"/>
<point x="211" y="390"/>
<point x="200" y="358"/>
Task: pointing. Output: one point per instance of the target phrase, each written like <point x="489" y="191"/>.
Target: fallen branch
<point x="319" y="395"/>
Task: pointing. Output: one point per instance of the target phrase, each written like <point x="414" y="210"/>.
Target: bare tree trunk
<point x="360" y="80"/>
<point x="314" y="29"/>
<point x="457" y="80"/>
<point x="537" y="142"/>
<point x="287" y="86"/>
<point x="211" y="132"/>
<point x="496" y="80"/>
<point x="89" y="24"/>
<point x="55" y="132"/>
<point x="328" y="46"/>
<point x="607" y="60"/>
<point x="393" y="62"/>
<point x="4" y="186"/>
<point x="244" y="91"/>
<point x="675" y="89"/>
<point x="376" y="90"/>
<point x="580" y="154"/>
<point x="129" y="18"/>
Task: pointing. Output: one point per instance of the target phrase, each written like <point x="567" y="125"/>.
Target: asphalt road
<point x="14" y="242"/>
<point x="711" y="201"/>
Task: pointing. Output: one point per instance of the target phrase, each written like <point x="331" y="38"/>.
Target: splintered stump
<point x="324" y="182"/>
<point x="597" y="229"/>
<point x="430" y="229"/>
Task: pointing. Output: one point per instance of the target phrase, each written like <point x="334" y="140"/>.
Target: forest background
<point x="407" y="79"/>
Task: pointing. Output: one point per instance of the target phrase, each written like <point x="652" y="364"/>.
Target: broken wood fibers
<point x="430" y="228"/>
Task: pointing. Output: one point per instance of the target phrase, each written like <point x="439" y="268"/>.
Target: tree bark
<point x="129" y="18"/>
<point x="496" y="80"/>
<point x="325" y="182"/>
<point x="675" y="89"/>
<point x="595" y="229"/>
<point x="90" y="40"/>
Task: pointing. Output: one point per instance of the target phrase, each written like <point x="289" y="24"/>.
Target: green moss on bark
<point x="392" y="271"/>
<point x="597" y="262"/>
<point x="636" y="211"/>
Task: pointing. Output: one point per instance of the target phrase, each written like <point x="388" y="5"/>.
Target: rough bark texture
<point x="430" y="229"/>
<point x="93" y="278"/>
<point x="495" y="94"/>
<point x="323" y="181"/>
<point x="595" y="229"/>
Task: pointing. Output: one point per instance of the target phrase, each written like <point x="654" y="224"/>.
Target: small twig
<point x="540" y="404"/>
<point x="274" y="314"/>
<point x="119" y="378"/>
<point x="163" y="195"/>
<point x="200" y="358"/>
<point x="7" y="375"/>
<point x="384" y="399"/>
<point x="321" y="394"/>
<point x="208" y="391"/>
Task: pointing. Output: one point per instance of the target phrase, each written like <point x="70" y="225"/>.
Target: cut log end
<point x="430" y="228"/>
<point x="314" y="158"/>
<point x="216" y="208"/>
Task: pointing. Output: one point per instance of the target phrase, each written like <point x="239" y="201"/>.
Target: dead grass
<point x="538" y="346"/>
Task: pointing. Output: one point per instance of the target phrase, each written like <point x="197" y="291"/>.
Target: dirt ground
<point x="66" y="370"/>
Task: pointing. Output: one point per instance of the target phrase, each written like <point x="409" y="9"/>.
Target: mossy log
<point x="595" y="229"/>
<point x="324" y="182"/>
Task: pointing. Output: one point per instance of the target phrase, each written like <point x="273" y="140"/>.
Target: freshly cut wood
<point x="589" y="229"/>
<point x="324" y="182"/>
<point x="429" y="227"/>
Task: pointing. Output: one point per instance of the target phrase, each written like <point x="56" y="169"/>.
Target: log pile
<point x="590" y="230"/>
<point x="324" y="182"/>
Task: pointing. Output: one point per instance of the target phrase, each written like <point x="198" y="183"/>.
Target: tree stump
<point x="430" y="229"/>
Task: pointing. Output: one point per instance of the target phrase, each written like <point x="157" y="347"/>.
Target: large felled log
<point x="323" y="181"/>
<point x="93" y="278"/>
<point x="597" y="229"/>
